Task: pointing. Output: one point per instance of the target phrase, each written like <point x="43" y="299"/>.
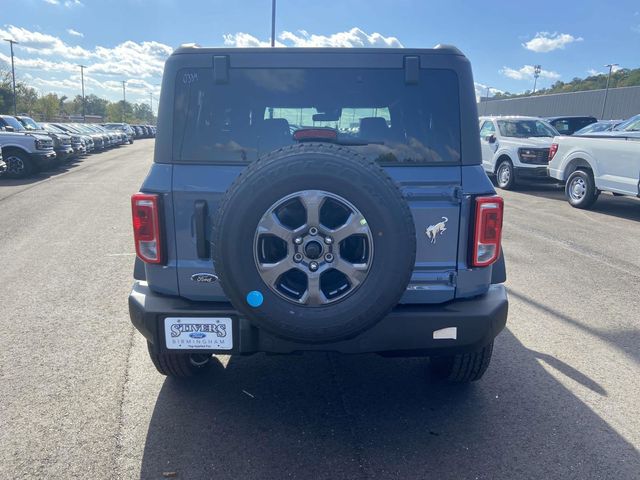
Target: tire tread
<point x="464" y="367"/>
<point x="173" y="365"/>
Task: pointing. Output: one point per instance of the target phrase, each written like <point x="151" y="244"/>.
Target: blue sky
<point x="129" y="39"/>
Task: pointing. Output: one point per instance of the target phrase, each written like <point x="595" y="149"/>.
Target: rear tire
<point x="19" y="165"/>
<point x="464" y="367"/>
<point x="180" y="365"/>
<point x="505" y="175"/>
<point x="581" y="190"/>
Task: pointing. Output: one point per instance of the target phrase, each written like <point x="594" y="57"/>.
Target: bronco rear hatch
<point x="399" y="109"/>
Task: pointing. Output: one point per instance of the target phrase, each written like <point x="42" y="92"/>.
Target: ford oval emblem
<point x="197" y="335"/>
<point x="204" y="278"/>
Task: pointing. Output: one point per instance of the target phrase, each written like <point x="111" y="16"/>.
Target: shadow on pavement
<point x="627" y="341"/>
<point x="608" y="204"/>
<point x="331" y="416"/>
<point x="53" y="171"/>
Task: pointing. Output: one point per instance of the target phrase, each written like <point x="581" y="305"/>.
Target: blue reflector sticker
<point x="255" y="298"/>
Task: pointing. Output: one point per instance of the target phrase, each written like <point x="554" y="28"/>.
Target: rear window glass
<point x="373" y="110"/>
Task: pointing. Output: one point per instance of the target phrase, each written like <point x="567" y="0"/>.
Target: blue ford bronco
<point x="318" y="200"/>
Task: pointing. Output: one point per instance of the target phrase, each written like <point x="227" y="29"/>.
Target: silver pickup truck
<point x="24" y="152"/>
<point x="592" y="164"/>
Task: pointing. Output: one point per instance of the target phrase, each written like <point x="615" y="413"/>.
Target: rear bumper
<point x="407" y="330"/>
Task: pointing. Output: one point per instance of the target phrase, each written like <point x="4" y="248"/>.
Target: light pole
<point x="84" y="112"/>
<point x="151" y="101"/>
<point x="536" y="73"/>
<point x="13" y="75"/>
<point x="273" y="23"/>
<point x="273" y="37"/>
<point x="606" y="90"/>
<point x="486" y="99"/>
<point x="124" y="99"/>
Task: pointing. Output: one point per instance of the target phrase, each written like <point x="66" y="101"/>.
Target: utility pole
<point x="13" y="75"/>
<point x="273" y="23"/>
<point x="273" y="37"/>
<point x="606" y="90"/>
<point x="486" y="100"/>
<point x="84" y="112"/>
<point x="124" y="99"/>
<point x="536" y="73"/>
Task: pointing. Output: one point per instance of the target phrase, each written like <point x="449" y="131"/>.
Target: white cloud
<point x="66" y="3"/>
<point x="245" y="40"/>
<point x="593" y="72"/>
<point x="39" y="64"/>
<point x="42" y="43"/>
<point x="352" y="38"/>
<point x="526" y="73"/>
<point x="481" y="91"/>
<point x="75" y="33"/>
<point x="128" y="59"/>
<point x="547" y="42"/>
<point x="131" y="59"/>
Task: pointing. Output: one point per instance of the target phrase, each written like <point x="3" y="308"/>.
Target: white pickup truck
<point x="591" y="164"/>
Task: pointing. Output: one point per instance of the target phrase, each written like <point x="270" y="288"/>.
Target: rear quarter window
<point x="373" y="110"/>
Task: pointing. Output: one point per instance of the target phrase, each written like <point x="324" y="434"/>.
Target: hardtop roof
<point x="437" y="50"/>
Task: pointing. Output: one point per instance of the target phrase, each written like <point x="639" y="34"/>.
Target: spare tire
<point x="314" y="243"/>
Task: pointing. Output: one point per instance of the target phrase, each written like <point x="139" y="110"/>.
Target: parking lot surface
<point x="80" y="399"/>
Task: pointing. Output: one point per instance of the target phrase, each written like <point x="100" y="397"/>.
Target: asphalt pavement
<point x="79" y="397"/>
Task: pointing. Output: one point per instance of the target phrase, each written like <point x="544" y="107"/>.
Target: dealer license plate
<point x="198" y="333"/>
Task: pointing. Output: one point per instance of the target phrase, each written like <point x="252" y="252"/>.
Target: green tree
<point x="94" y="105"/>
<point x="115" y="112"/>
<point x="621" y="78"/>
<point x="48" y="106"/>
<point x="142" y="113"/>
<point x="27" y="98"/>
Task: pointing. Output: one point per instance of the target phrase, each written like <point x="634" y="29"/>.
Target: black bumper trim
<point x="532" y="172"/>
<point x="408" y="328"/>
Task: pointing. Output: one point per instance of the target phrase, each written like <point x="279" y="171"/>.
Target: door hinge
<point x="453" y="279"/>
<point x="457" y="194"/>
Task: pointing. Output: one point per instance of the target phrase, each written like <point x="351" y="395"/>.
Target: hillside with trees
<point x="51" y="106"/>
<point x="621" y="78"/>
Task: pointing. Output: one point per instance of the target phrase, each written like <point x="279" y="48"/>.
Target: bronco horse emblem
<point x="438" y="229"/>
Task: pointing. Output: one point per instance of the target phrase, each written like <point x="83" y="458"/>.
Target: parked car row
<point x="143" y="131"/>
<point x="599" y="156"/>
<point x="28" y="146"/>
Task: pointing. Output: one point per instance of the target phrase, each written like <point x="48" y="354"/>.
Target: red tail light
<point x="306" y="134"/>
<point x="553" y="150"/>
<point x="146" y="227"/>
<point x="488" y="231"/>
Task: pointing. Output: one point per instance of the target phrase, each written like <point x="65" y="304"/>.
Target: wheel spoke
<point x="355" y="225"/>
<point x="270" y="272"/>
<point x="312" y="202"/>
<point x="271" y="225"/>
<point x="314" y="295"/>
<point x="279" y="275"/>
<point x="355" y="272"/>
